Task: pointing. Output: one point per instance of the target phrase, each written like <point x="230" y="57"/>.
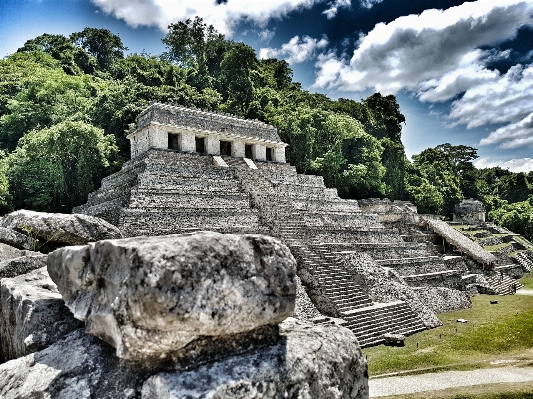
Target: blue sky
<point x="462" y="71"/>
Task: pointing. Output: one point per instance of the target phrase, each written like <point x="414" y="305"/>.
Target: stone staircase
<point x="370" y="323"/>
<point x="503" y="284"/>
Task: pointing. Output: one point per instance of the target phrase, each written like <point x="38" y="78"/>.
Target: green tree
<point x="105" y="46"/>
<point x="387" y="118"/>
<point x="236" y="68"/>
<point x="54" y="169"/>
<point x="462" y="157"/>
<point x="194" y="45"/>
<point x="438" y="169"/>
<point x="45" y="95"/>
<point x="517" y="217"/>
<point x="72" y="59"/>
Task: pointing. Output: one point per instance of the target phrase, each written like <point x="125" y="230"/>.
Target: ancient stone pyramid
<point x="195" y="170"/>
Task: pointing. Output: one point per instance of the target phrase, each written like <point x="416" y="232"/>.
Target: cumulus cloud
<point x="334" y="7"/>
<point x="223" y="16"/>
<point x="514" y="165"/>
<point x="296" y="50"/>
<point x="443" y="55"/>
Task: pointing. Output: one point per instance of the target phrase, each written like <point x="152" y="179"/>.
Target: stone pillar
<point x="259" y="152"/>
<point x="237" y="149"/>
<point x="279" y="154"/>
<point x="187" y="142"/>
<point x="212" y="145"/>
<point x="158" y="137"/>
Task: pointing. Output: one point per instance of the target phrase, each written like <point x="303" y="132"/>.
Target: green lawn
<point x="493" y="333"/>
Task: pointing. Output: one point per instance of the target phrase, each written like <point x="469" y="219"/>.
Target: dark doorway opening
<point x="248" y="151"/>
<point x="173" y="142"/>
<point x="269" y="154"/>
<point x="200" y="145"/>
<point x="225" y="148"/>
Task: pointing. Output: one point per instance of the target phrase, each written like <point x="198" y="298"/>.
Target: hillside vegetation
<point x="67" y="104"/>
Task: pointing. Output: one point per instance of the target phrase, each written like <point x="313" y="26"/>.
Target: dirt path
<point x="523" y="291"/>
<point x="447" y="379"/>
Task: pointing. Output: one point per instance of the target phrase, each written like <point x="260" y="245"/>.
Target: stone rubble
<point x="231" y="294"/>
<point x="32" y="314"/>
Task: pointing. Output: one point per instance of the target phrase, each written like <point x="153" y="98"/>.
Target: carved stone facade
<point x="195" y="131"/>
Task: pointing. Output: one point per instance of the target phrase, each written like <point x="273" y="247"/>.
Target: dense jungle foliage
<point x="67" y="104"/>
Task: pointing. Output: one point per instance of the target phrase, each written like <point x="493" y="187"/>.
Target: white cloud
<point x="296" y="50"/>
<point x="514" y="165"/>
<point x="438" y="56"/>
<point x="334" y="7"/>
<point x="161" y="13"/>
<point x="513" y="135"/>
<point x="266" y="35"/>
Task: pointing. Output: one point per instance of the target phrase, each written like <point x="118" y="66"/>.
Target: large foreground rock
<point x="308" y="361"/>
<point x="150" y="296"/>
<point x="32" y="314"/>
<point x="58" y="228"/>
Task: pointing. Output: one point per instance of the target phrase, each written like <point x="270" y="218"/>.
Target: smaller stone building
<point x="469" y="211"/>
<point x="195" y="131"/>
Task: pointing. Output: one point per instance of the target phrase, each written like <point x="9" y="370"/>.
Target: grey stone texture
<point x="150" y="296"/>
<point x="10" y="252"/>
<point x="57" y="229"/>
<point x="32" y="315"/>
<point x="307" y="362"/>
<point x="18" y="240"/>
<point x="21" y="265"/>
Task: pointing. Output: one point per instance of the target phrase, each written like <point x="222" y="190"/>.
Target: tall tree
<point x="100" y="43"/>
<point x="387" y="118"/>
<point x="194" y="45"/>
<point x="236" y="68"/>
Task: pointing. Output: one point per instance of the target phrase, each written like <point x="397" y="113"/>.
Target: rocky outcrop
<point x="199" y="315"/>
<point x="150" y="296"/>
<point x="306" y="362"/>
<point x="32" y="315"/>
<point x="31" y="230"/>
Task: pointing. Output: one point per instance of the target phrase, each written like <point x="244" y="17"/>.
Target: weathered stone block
<point x="21" y="265"/>
<point x="149" y="296"/>
<point x="32" y="315"/>
<point x="308" y="362"/>
<point x="59" y="228"/>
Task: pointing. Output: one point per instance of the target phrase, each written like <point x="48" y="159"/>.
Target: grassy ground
<point x="494" y="335"/>
<point x="492" y="391"/>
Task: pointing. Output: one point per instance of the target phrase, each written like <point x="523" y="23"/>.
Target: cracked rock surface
<point x="151" y="296"/>
<point x="32" y="314"/>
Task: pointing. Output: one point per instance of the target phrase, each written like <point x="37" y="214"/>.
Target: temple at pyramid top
<point x="197" y="131"/>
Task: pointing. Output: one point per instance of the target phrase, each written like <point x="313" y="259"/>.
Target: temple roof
<point x="196" y="119"/>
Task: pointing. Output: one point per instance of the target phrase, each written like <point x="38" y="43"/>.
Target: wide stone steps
<point x="369" y="324"/>
<point x="503" y="284"/>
